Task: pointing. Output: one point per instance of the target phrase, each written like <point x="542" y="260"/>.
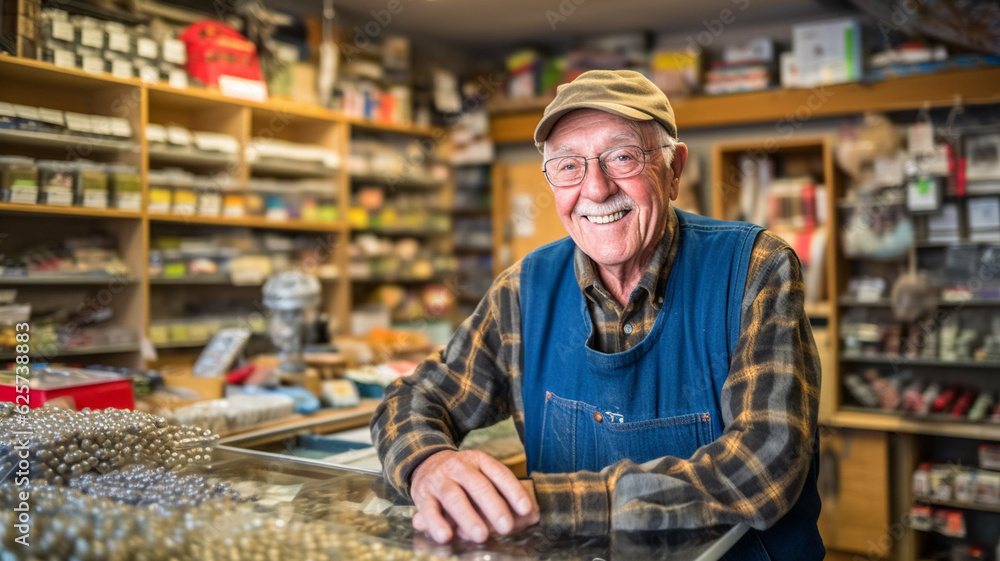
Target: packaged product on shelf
<point x="56" y="180"/>
<point x="8" y="116"/>
<point x="921" y="518"/>
<point x="30" y="119"/>
<point x="125" y="186"/>
<point x="92" y="60"/>
<point x="234" y="204"/>
<point x="18" y="180"/>
<point x="90" y="32"/>
<point x="942" y="482"/>
<point x="160" y="199"/>
<point x="215" y="142"/>
<point x="988" y="488"/>
<point x="185" y="200"/>
<point x="949" y="522"/>
<point x="922" y="480"/>
<point x="119" y="38"/>
<point x="989" y="456"/>
<point x="91" y="186"/>
<point x="156" y="135"/>
<point x="121" y="67"/>
<point x="209" y="202"/>
<point x="965" y="485"/>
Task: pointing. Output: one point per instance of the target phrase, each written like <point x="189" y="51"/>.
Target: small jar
<point x="56" y="181"/>
<point x="18" y="180"/>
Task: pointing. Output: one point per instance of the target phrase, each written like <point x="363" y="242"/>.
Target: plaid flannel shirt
<point x="752" y="474"/>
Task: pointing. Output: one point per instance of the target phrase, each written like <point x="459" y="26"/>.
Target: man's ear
<point x="676" y="167"/>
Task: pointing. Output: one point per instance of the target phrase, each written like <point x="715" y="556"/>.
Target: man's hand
<point x="442" y="486"/>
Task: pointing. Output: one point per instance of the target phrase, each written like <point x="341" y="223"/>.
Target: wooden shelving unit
<point x="515" y="123"/>
<point x="37" y="83"/>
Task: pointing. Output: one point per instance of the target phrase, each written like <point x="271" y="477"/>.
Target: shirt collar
<point x="653" y="280"/>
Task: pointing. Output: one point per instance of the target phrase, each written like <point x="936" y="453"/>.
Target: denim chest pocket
<point x="579" y="436"/>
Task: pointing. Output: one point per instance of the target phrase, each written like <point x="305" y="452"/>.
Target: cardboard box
<point x="207" y="387"/>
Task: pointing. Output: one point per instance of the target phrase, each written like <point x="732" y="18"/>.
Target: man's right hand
<point x="443" y="484"/>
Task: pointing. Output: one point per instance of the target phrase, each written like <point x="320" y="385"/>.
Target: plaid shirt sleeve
<point x="468" y="385"/>
<point x="754" y="473"/>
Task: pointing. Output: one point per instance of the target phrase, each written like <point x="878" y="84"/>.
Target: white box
<point x="827" y="52"/>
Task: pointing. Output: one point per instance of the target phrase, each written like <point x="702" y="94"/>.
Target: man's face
<point x="614" y="221"/>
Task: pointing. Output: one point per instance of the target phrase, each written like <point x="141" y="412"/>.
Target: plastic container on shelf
<point x="125" y="187"/>
<point x="18" y="180"/>
<point x="91" y="185"/>
<point x="56" y="182"/>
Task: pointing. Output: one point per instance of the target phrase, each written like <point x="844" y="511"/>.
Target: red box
<point x="214" y="49"/>
<point x="92" y="389"/>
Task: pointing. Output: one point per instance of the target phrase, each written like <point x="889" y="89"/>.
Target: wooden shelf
<point x="902" y="361"/>
<point x="973" y="87"/>
<point x="72" y="280"/>
<point x="397" y="128"/>
<point x="292" y="169"/>
<point x="189" y="156"/>
<point x="891" y="422"/>
<point x="251" y="222"/>
<point x="817" y="309"/>
<point x="957" y="504"/>
<point x="73" y="211"/>
<point x="407" y="279"/>
<point x="55" y="140"/>
<point x="400" y="182"/>
<point x="44" y="73"/>
<point x="401" y="231"/>
<point x="218" y="280"/>
<point x="886" y="303"/>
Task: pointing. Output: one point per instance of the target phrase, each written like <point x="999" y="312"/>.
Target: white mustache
<point x="618" y="202"/>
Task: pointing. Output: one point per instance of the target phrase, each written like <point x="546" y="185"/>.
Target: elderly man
<point x="658" y="365"/>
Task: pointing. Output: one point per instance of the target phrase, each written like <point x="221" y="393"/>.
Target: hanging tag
<point x="920" y="138"/>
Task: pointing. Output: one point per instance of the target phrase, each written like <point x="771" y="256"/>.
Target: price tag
<point x="920" y="138"/>
<point x="240" y="88"/>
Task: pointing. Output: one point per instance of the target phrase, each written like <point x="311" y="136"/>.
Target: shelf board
<point x="929" y="244"/>
<point x="890" y="422"/>
<point x="402" y="182"/>
<point x="68" y="211"/>
<point x="473" y="211"/>
<point x="189" y="156"/>
<point x="82" y="351"/>
<point x="56" y="140"/>
<point x="45" y="73"/>
<point x="473" y="249"/>
<point x="886" y="303"/>
<point x="54" y="279"/>
<point x="415" y="130"/>
<point x="251" y="222"/>
<point x="292" y="169"/>
<point x="957" y="504"/>
<point x="408" y="279"/>
<point x="940" y="89"/>
<point x="902" y="361"/>
<point x="389" y="231"/>
<point x="222" y="280"/>
<point x="817" y="309"/>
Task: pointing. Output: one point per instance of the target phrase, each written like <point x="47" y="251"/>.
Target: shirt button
<point x="628" y="328"/>
<point x="598" y="417"/>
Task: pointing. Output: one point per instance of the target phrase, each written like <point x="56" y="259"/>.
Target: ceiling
<point x="494" y="22"/>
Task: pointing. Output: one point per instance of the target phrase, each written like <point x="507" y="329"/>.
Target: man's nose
<point x="596" y="185"/>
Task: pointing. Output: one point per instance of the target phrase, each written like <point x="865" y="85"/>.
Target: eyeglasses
<point x="617" y="163"/>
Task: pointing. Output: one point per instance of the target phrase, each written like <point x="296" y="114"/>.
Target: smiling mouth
<point x="608" y="218"/>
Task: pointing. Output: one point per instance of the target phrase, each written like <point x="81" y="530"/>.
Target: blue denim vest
<point x="585" y="410"/>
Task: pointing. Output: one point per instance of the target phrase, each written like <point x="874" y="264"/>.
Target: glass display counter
<point x="122" y="485"/>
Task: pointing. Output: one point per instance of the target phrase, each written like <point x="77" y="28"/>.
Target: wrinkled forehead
<point x="616" y="130"/>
